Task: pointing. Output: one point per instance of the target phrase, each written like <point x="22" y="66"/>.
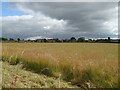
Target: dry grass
<point x="94" y="63"/>
<point x="0" y="66"/>
<point x="14" y="76"/>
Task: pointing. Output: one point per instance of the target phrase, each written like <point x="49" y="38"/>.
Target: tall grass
<point x="77" y="63"/>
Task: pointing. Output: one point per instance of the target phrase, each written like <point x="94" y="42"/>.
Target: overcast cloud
<point x="62" y="20"/>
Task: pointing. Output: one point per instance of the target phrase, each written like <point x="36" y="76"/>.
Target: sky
<point x="59" y="19"/>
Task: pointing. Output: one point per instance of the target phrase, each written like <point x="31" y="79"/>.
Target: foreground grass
<point x="0" y="75"/>
<point x="78" y="63"/>
<point x="17" y="77"/>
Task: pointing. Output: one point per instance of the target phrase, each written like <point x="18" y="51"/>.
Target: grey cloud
<point x="83" y="18"/>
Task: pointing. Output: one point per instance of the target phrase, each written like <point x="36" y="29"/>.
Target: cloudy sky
<point x="59" y="19"/>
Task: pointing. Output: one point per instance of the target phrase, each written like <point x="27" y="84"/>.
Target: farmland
<point x="94" y="64"/>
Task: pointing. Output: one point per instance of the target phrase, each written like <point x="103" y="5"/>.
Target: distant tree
<point x="3" y="39"/>
<point x="18" y="39"/>
<point x="65" y="40"/>
<point x="11" y="39"/>
<point x="73" y="39"/>
<point x="44" y="40"/>
<point x="29" y="40"/>
<point x="119" y="40"/>
<point x="90" y="40"/>
<point x="81" y="39"/>
<point x="109" y="39"/>
<point x="57" y="40"/>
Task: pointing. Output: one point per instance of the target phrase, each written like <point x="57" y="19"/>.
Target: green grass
<point x="78" y="63"/>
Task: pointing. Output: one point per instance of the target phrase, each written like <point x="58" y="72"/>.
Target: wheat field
<point x="92" y="63"/>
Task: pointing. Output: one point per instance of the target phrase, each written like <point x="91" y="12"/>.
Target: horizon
<point x="60" y="38"/>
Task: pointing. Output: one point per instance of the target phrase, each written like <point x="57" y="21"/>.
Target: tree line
<point x="72" y="39"/>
